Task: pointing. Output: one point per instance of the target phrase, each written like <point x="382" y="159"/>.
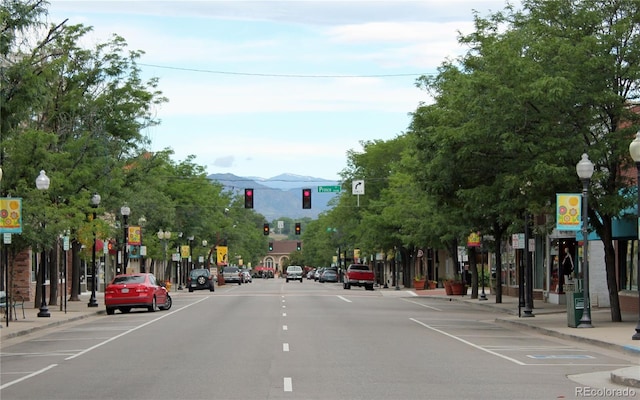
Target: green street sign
<point x="329" y="189"/>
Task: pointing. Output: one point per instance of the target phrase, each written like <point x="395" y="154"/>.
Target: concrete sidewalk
<point x="549" y="319"/>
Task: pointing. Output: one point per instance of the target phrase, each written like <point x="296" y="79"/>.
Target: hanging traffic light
<point x="298" y="246"/>
<point x="306" y="198"/>
<point x="266" y="229"/>
<point x="248" y="198"/>
<point x="298" y="228"/>
<point x="270" y="246"/>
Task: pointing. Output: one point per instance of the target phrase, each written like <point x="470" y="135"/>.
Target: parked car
<point x="311" y="273"/>
<point x="316" y="275"/>
<point x="232" y="275"/>
<point x="246" y="276"/>
<point x="135" y="291"/>
<point x="200" y="278"/>
<point x="329" y="275"/>
<point x="294" y="273"/>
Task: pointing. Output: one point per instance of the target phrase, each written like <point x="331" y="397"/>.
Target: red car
<point x="129" y="291"/>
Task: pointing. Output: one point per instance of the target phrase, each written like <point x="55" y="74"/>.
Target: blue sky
<point x="261" y="88"/>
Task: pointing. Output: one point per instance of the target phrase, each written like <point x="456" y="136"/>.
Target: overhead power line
<point x="310" y="76"/>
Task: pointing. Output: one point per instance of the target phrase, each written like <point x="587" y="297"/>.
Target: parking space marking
<point x="561" y="356"/>
<point x="31" y="375"/>
<point x="555" y="350"/>
<point x="533" y="348"/>
<point x="467" y="342"/>
<point x="85" y="351"/>
<point x="422" y="305"/>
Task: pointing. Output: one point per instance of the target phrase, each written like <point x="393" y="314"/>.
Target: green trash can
<point x="575" y="306"/>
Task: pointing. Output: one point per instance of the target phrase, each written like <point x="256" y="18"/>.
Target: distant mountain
<point x="292" y="181"/>
<point x="280" y="196"/>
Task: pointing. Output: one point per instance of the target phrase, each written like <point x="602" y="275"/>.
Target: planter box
<point x="419" y="285"/>
<point x="456" y="289"/>
<point x="447" y="288"/>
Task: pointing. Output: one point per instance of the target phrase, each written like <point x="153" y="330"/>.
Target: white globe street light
<point x="584" y="168"/>
<point x="42" y="183"/>
<point x="93" y="302"/>
<point x="634" y="149"/>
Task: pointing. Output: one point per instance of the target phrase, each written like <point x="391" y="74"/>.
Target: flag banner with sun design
<point x="568" y="212"/>
<point x="10" y="215"/>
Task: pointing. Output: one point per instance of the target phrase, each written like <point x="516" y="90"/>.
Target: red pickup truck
<point x="359" y="275"/>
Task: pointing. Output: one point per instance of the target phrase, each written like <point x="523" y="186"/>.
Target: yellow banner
<point x="135" y="236"/>
<point x="222" y="255"/>
<point x="568" y="215"/>
<point x="185" y="251"/>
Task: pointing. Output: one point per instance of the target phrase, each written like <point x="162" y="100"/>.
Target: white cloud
<point x="261" y="124"/>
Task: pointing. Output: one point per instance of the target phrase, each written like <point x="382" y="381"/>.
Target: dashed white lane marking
<point x="284" y="314"/>
<point x="345" y="299"/>
<point x="284" y="306"/>
<point x="288" y="385"/>
<point x="285" y="328"/>
<point x="285" y="346"/>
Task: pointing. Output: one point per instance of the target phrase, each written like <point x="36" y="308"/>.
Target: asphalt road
<point x="275" y="340"/>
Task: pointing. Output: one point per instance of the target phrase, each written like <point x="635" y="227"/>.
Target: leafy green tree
<point x="535" y="86"/>
<point x="75" y="113"/>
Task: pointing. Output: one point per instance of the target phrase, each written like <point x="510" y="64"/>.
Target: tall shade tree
<point x="76" y="113"/>
<point x="535" y="86"/>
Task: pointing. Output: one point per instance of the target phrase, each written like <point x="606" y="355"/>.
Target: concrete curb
<point x="627" y="377"/>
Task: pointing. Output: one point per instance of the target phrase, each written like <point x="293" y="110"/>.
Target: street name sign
<point x="329" y="189"/>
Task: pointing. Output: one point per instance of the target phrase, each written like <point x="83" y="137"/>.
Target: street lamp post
<point x="584" y="168"/>
<point x="204" y="244"/>
<point x="528" y="293"/>
<point x="6" y="273"/>
<point x="634" y="149"/>
<point x="483" y="296"/>
<point x="164" y="236"/>
<point x="125" y="211"/>
<point x="95" y="201"/>
<point x="42" y="183"/>
<point x="141" y="222"/>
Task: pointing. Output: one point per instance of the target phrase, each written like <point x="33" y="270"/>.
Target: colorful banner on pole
<point x="473" y="240"/>
<point x="134" y="251"/>
<point x="185" y="251"/>
<point x="135" y="236"/>
<point x="568" y="214"/>
<point x="10" y="215"/>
